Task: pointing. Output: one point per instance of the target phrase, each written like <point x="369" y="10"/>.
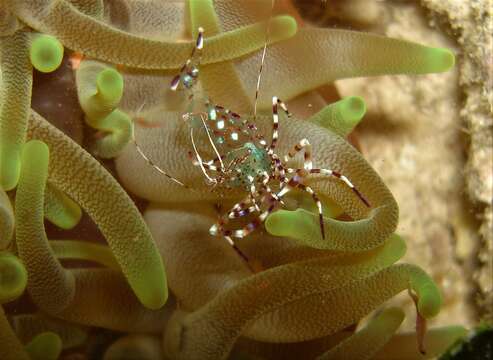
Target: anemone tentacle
<point x="367" y="341"/>
<point x="316" y="57"/>
<point x="46" y="53"/>
<point x="75" y="30"/>
<point x="49" y="285"/>
<point x="15" y="93"/>
<point x="230" y="313"/>
<point x="27" y="326"/>
<point x="100" y="89"/>
<point x="59" y="209"/>
<point x="84" y="250"/>
<point x="13" y="277"/>
<point x="6" y="220"/>
<point x="437" y="340"/>
<point x="45" y="346"/>
<point x="11" y="347"/>
<point x="81" y="177"/>
<point x="342" y="116"/>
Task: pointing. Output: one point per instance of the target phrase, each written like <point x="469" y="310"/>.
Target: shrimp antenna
<point x="264" y="51"/>
<point x="146" y="158"/>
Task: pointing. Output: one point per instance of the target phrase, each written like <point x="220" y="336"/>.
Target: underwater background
<point x="116" y="239"/>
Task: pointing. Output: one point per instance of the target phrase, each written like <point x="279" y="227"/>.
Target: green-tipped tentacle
<point x="13" y="277"/>
<point x="233" y="311"/>
<point x="15" y="93"/>
<point x="83" y="250"/>
<point x="104" y="299"/>
<point x="6" y="220"/>
<point x="46" y="53"/>
<point x="304" y="227"/>
<point x="302" y="319"/>
<point x="12" y="349"/>
<point x="51" y="287"/>
<point x="59" y="209"/>
<point x="80" y="176"/>
<point x="365" y="343"/>
<point x="321" y="56"/>
<point x="100" y="89"/>
<point x="76" y="31"/>
<point x="119" y="127"/>
<point x="45" y="346"/>
<point x="27" y="326"/>
<point x="342" y="116"/>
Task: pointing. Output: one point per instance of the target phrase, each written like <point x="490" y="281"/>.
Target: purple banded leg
<point x="253" y="192"/>
<point x="280" y="169"/>
<point x="266" y="187"/>
<point x="252" y="226"/>
<point x="344" y="179"/>
<point x="238" y="210"/>
<point x="318" y="203"/>
<point x="295" y="182"/>
<point x="304" y="144"/>
<point x="275" y="121"/>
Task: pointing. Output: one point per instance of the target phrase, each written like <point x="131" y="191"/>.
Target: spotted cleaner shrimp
<point x="244" y="159"/>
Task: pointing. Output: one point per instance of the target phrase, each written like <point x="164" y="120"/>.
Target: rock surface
<point x="430" y="138"/>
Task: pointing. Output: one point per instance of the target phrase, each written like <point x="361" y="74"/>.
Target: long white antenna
<point x="267" y="34"/>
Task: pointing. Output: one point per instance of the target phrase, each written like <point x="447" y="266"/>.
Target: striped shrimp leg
<point x="240" y="209"/>
<point x="281" y="172"/>
<point x="344" y="179"/>
<point x="187" y="67"/>
<point x="276" y="102"/>
<point x="305" y="145"/>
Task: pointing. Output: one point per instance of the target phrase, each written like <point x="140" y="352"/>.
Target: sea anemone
<point x="174" y="290"/>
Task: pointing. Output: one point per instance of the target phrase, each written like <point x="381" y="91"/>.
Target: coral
<point x="302" y="292"/>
